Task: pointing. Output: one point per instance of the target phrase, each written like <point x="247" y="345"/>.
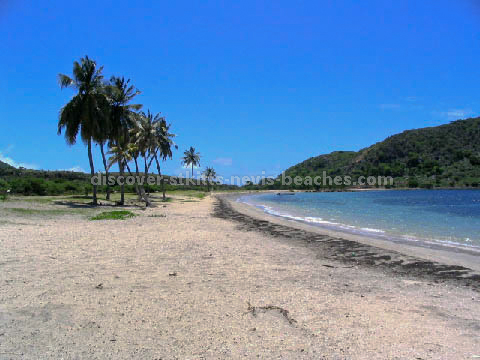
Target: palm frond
<point x="65" y="81"/>
<point x="70" y="120"/>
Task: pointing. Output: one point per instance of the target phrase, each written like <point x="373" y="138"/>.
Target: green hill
<point x="5" y="166"/>
<point x="441" y="156"/>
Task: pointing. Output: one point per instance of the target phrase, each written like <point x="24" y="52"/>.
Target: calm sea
<point x="442" y="217"/>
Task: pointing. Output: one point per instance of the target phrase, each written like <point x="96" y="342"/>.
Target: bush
<point x="412" y="183"/>
<point x="4" y="187"/>
<point x="427" y="186"/>
<point x="113" y="215"/>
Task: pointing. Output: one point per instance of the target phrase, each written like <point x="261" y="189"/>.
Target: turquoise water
<point x="428" y="217"/>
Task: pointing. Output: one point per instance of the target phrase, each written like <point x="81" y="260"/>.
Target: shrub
<point x="412" y="183"/>
<point x="4" y="187"/>
<point x="114" y="215"/>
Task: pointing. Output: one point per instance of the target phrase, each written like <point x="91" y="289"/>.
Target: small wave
<point x="465" y="243"/>
<point x="453" y="244"/>
<point x="373" y="230"/>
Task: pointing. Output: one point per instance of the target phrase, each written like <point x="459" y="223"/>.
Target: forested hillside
<point x="441" y="156"/>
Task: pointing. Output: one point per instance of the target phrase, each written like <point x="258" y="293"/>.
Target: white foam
<point x="373" y="230"/>
<point x="350" y="228"/>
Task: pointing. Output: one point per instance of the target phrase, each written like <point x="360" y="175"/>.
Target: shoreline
<point x="400" y="258"/>
<point x="341" y="229"/>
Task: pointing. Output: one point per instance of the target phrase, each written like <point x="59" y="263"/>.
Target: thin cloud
<point x="223" y="161"/>
<point x="76" y="168"/>
<point x="10" y="161"/>
<point x="455" y="114"/>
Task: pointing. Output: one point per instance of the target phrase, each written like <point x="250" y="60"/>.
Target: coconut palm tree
<point x="85" y="112"/>
<point x="191" y="157"/>
<point x="163" y="145"/>
<point x="120" y="93"/>
<point x="209" y="174"/>
<point x="144" y="136"/>
<point x="121" y="154"/>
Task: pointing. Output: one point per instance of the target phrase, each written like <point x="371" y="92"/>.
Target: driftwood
<point x="143" y="196"/>
<point x="254" y="309"/>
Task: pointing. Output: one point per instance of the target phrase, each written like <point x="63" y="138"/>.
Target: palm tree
<point x="209" y="174"/>
<point x="191" y="158"/>
<point x="85" y="112"/>
<point x="144" y="136"/>
<point x="121" y="154"/>
<point x="119" y="93"/>
<point x="163" y="145"/>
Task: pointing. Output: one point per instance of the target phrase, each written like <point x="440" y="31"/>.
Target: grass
<point x="190" y="193"/>
<point x="37" y="199"/>
<point x="113" y="215"/>
<point x="44" y="212"/>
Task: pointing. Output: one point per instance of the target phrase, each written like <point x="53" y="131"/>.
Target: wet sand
<point x="437" y="263"/>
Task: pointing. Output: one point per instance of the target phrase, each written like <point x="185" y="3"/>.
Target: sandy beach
<point x="196" y="279"/>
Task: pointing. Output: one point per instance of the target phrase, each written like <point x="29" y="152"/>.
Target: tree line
<point x="103" y="112"/>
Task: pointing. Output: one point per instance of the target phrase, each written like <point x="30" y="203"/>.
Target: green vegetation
<point x="5" y="166"/>
<point x="190" y="193"/>
<point x="4" y="187"/>
<point x="442" y="156"/>
<point x="114" y="215"/>
<point x="55" y="183"/>
<point x="33" y="185"/>
<point x="38" y="212"/>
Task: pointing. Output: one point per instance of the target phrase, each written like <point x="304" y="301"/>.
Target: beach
<point x="212" y="278"/>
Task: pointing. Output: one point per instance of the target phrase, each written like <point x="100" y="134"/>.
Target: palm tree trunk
<point x="92" y="170"/>
<point x="147" y="165"/>
<point x="160" y="174"/>
<point x="192" y="171"/>
<point x="140" y="189"/>
<point x="137" y="189"/>
<point x="128" y="168"/>
<point x="121" y="167"/>
<point x="145" y="173"/>
<point x="106" y="170"/>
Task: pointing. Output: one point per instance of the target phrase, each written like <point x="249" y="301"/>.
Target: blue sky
<point x="253" y="85"/>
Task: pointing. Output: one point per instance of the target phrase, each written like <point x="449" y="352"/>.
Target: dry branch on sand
<point x="254" y="309"/>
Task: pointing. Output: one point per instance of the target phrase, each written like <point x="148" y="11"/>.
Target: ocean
<point x="448" y="218"/>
